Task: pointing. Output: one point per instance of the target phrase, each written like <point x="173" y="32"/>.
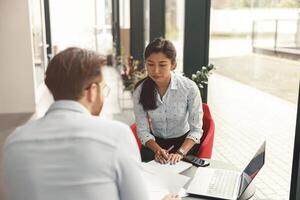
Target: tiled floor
<point x="257" y="115"/>
<point x="244" y="117"/>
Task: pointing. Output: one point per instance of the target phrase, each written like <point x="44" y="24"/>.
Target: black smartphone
<point x="198" y="162"/>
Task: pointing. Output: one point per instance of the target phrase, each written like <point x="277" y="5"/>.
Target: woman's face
<point x="159" y="67"/>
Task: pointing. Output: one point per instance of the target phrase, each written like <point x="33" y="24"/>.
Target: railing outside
<point x="275" y="34"/>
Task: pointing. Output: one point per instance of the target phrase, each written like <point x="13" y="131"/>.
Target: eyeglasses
<point x="105" y="89"/>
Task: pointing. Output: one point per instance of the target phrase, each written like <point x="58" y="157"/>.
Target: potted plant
<point x="133" y="75"/>
<point x="201" y="79"/>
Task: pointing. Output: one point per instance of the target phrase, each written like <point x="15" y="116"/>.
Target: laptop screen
<point x="252" y="168"/>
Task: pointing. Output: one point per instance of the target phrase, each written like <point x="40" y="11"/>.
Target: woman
<point x="167" y="107"/>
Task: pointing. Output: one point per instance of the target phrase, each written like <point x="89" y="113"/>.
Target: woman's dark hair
<point x="148" y="92"/>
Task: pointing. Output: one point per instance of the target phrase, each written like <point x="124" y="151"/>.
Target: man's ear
<point x="174" y="65"/>
<point x="92" y="93"/>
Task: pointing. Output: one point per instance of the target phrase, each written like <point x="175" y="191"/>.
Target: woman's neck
<point x="162" y="87"/>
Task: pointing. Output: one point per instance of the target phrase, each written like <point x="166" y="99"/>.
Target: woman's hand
<point x="161" y="156"/>
<point x="172" y="197"/>
<point x="174" y="158"/>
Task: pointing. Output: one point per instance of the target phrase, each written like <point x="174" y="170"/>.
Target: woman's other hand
<point x="173" y="158"/>
<point x="172" y="197"/>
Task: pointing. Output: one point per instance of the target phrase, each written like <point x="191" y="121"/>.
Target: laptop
<point x="224" y="183"/>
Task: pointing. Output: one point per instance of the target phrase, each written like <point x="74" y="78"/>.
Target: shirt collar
<point x="68" y="105"/>
<point x="173" y="82"/>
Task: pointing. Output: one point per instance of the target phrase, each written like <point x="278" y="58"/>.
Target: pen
<point x="169" y="149"/>
<point x="165" y="155"/>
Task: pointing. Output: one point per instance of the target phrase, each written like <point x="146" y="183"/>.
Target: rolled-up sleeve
<point x="141" y="118"/>
<point x="195" y="114"/>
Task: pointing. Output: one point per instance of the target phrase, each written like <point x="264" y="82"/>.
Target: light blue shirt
<point x="71" y="155"/>
<point x="179" y="111"/>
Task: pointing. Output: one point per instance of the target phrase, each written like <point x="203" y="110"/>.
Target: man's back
<point x="69" y="154"/>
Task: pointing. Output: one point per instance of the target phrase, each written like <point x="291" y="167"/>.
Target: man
<point x="70" y="153"/>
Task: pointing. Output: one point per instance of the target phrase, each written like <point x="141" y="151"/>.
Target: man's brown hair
<point x="71" y="71"/>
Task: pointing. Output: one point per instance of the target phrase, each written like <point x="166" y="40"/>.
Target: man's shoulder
<point x="109" y="125"/>
<point x="102" y="131"/>
<point x="18" y="133"/>
<point x="87" y="128"/>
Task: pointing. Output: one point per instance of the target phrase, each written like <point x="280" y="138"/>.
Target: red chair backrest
<point x="207" y="139"/>
<point x="134" y="131"/>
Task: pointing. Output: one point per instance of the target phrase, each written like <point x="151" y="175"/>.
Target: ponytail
<point x="148" y="94"/>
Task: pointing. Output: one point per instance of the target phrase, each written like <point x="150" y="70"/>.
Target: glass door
<point x="39" y="40"/>
<point x="175" y="28"/>
<point x="103" y="27"/>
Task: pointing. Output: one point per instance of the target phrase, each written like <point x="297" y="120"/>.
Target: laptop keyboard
<point x="222" y="183"/>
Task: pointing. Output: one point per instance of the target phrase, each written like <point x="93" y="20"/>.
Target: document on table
<point x="176" y="168"/>
<point x="162" y="182"/>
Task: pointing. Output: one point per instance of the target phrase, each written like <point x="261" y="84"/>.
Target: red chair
<point x="207" y="140"/>
<point x="133" y="128"/>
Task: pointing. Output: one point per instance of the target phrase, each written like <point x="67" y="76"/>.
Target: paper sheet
<point x="176" y="168"/>
<point x="162" y="182"/>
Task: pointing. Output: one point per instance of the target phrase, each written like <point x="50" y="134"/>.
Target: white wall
<point x="16" y="58"/>
<point x="124" y="14"/>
